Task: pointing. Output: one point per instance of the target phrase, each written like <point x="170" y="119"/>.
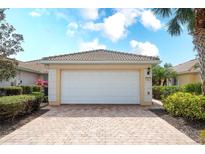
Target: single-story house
<point x="27" y="74"/>
<point x="100" y="77"/>
<point x="187" y="72"/>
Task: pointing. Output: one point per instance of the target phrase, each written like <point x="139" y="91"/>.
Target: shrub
<point x="36" y="88"/>
<point x="12" y="106"/>
<point x="39" y="99"/>
<point x="42" y="83"/>
<point x="160" y="92"/>
<point x="195" y="88"/>
<point x="186" y="105"/>
<point x="202" y="136"/>
<point x="45" y="90"/>
<point x="39" y="96"/>
<point x="157" y="92"/>
<point x="9" y="91"/>
<point x="27" y="89"/>
<point x="45" y="99"/>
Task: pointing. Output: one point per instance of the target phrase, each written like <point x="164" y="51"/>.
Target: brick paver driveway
<point x="97" y="124"/>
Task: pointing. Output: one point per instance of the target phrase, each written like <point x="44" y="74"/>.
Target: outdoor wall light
<point x="148" y="71"/>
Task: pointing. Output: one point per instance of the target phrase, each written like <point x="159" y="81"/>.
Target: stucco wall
<point x="6" y="83"/>
<point x="27" y="78"/>
<point x="55" y="73"/>
<point x="188" y="78"/>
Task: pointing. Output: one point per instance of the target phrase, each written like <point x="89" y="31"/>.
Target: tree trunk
<point x="203" y="87"/>
<point x="159" y="82"/>
<point x="165" y="82"/>
<point x="199" y="41"/>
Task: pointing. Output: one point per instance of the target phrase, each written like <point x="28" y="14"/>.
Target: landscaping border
<point x="8" y="127"/>
<point x="189" y="127"/>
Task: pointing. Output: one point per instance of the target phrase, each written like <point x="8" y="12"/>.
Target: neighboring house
<point x="100" y="77"/>
<point x="188" y="72"/>
<point x="27" y="74"/>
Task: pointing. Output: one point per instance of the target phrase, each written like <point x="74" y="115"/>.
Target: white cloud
<point x="93" y="26"/>
<point x="149" y="20"/>
<point x="39" y="12"/>
<point x="34" y="14"/>
<point x="90" y="14"/>
<point x="130" y="15"/>
<point x="115" y="26"/>
<point x="133" y="43"/>
<point x="92" y="45"/>
<point x="71" y="29"/>
<point x="61" y="15"/>
<point x="145" y="48"/>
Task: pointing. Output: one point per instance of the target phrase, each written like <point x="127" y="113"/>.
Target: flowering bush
<point x="42" y="83"/>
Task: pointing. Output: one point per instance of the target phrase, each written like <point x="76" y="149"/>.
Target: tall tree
<point x="157" y="75"/>
<point x="194" y="20"/>
<point x="162" y="75"/>
<point x="169" y="73"/>
<point x="10" y="44"/>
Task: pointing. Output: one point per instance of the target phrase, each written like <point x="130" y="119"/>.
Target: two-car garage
<point x="99" y="87"/>
<point x="100" y="77"/>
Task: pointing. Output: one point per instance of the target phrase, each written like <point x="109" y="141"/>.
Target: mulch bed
<point x="6" y="127"/>
<point x="188" y="127"/>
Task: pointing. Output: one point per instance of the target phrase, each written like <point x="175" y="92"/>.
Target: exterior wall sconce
<point x="148" y="71"/>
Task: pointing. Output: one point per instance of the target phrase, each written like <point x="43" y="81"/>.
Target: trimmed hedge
<point x="27" y="89"/>
<point x="12" y="106"/>
<point x="36" y="88"/>
<point x="39" y="98"/>
<point x="195" y="88"/>
<point x="202" y="136"/>
<point x="38" y="95"/>
<point x="186" y="105"/>
<point x="160" y="92"/>
<point x="11" y="90"/>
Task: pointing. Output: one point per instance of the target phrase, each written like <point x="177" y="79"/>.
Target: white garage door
<point x="99" y="87"/>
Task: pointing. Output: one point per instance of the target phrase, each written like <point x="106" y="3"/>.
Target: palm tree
<point x="194" y="20"/>
<point x="157" y="75"/>
<point x="162" y="75"/>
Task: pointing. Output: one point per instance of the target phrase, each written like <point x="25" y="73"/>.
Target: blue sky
<point x="50" y="32"/>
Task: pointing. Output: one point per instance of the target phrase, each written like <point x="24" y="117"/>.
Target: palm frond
<point x="2" y="15"/>
<point x="163" y="12"/>
<point x="191" y="25"/>
<point x="174" y="27"/>
<point x="184" y="15"/>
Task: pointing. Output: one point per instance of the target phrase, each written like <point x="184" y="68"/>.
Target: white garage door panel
<point x="99" y="87"/>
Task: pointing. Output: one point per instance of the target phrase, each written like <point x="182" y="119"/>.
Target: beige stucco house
<point x="187" y="72"/>
<point x="27" y="74"/>
<point x="100" y="77"/>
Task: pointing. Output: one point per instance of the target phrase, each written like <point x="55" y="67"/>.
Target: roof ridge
<point x="96" y="50"/>
<point x="127" y="53"/>
<point x="32" y="61"/>
<point x="185" y="62"/>
<point x="72" y="53"/>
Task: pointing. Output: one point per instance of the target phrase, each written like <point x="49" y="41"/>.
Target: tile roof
<point x="100" y="55"/>
<point x="186" y="67"/>
<point x="32" y="66"/>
